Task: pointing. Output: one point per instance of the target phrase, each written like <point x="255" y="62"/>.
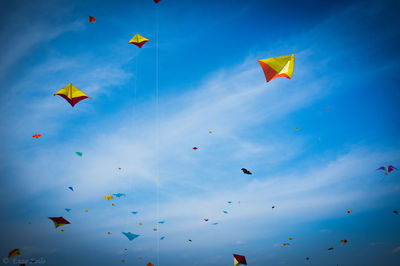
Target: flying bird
<point x="245" y="171"/>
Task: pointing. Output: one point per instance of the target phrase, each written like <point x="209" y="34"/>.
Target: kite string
<point x="157" y="138"/>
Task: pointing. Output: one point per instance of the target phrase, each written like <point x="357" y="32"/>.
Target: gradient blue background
<point x="347" y="60"/>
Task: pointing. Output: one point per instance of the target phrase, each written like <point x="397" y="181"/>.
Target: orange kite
<point x="276" y="67"/>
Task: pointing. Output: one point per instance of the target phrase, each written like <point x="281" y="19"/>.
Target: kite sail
<point x="157" y="1"/>
<point x="79" y="153"/>
<point x="245" y="171"/>
<point x="72" y="94"/>
<point x="36" y="136"/>
<point x="59" y="221"/>
<point x="138" y="40"/>
<point x="276" y="67"/>
<point x="149" y="264"/>
<point x="108" y="197"/>
<point x="14" y="253"/>
<point x="134" y="212"/>
<point x="68" y="210"/>
<point x="387" y="168"/>
<point x="118" y="195"/>
<point x="71" y="188"/>
<point x="92" y="19"/>
<point x="239" y="260"/>
<point x="130" y="236"/>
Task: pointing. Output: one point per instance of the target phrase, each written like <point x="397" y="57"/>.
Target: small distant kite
<point x="285" y="244"/>
<point x="190" y="240"/>
<point x="344" y="241"/>
<point x="349" y="211"/>
<point x="387" y="168"/>
<point x="109" y="233"/>
<point x="276" y="67"/>
<point x="71" y="188"/>
<point x="330" y="248"/>
<point x="138" y="40"/>
<point x="118" y="195"/>
<point x="119" y="168"/>
<point x="79" y="153"/>
<point x="68" y="210"/>
<point x="150" y="264"/>
<point x="195" y="148"/>
<point x="214" y="223"/>
<point x="130" y="236"/>
<point x="210" y="131"/>
<point x="205" y="219"/>
<point x="162" y="238"/>
<point x="140" y="224"/>
<point x="307" y="258"/>
<point x="229" y="202"/>
<point x="290" y="238"/>
<point x="396" y="212"/>
<point x="161" y="222"/>
<point x="273" y="207"/>
<point x="245" y="171"/>
<point x="72" y="94"/>
<point x="108" y="197"/>
<point x="36" y="136"/>
<point x="113" y="204"/>
<point x="154" y="229"/>
<point x="239" y="260"/>
<point x="225" y="212"/>
<point x="59" y="221"/>
<point x="134" y="212"/>
<point x="14" y="253"/>
<point x="86" y="210"/>
<point x="157" y="1"/>
<point x="92" y="19"/>
<point x="297" y="128"/>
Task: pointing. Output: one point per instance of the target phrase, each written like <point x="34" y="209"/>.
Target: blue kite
<point x="130" y="236"/>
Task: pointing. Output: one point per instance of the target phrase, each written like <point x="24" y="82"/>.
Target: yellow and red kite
<point x="36" y="136"/>
<point x="14" y="253"/>
<point x="59" y="221"/>
<point x="108" y="197"/>
<point x="138" y="40"/>
<point x="91" y="19"/>
<point x="239" y="260"/>
<point x="72" y="94"/>
<point x="275" y="67"/>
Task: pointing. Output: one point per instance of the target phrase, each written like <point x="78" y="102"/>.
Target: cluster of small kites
<point x="275" y="67"/>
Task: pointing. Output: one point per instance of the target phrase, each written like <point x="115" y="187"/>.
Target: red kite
<point x="14" y="253"/>
<point x="157" y="1"/>
<point x="36" y="136"/>
<point x="59" y="221"/>
<point x="239" y="260"/>
<point x="91" y="19"/>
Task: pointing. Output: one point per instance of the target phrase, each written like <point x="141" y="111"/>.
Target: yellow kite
<point x="138" y="40"/>
<point x="72" y="94"/>
<point x="276" y="67"/>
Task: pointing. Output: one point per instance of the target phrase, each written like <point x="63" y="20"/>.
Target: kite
<point x="154" y="229"/>
<point x="239" y="260"/>
<point x="109" y="233"/>
<point x="387" y="168"/>
<point x="157" y="1"/>
<point x="149" y="264"/>
<point x="307" y="258"/>
<point x="108" y="197"/>
<point x="161" y="222"/>
<point x="140" y="258"/>
<point x="349" y="211"/>
<point x="229" y="202"/>
<point x="245" y="171"/>
<point x="113" y="204"/>
<point x="157" y="179"/>
<point x="130" y="236"/>
<point x="225" y="212"/>
<point x="344" y="241"/>
<point x="330" y="248"/>
<point x="276" y="67"/>
<point x="36" y="136"/>
<point x="285" y="244"/>
<point x="62" y="230"/>
<point x="195" y="148"/>
<point x="59" y="221"/>
<point x="210" y="131"/>
<point x="162" y="237"/>
<point x="190" y="240"/>
<point x="86" y="211"/>
<point x="72" y="94"/>
<point x="79" y="153"/>
<point x="290" y="238"/>
<point x="119" y="168"/>
<point x="91" y="19"/>
<point x="214" y="223"/>
<point x="134" y="212"/>
<point x="118" y="195"/>
<point x="273" y="207"/>
<point x="297" y="128"/>
<point x="68" y="210"/>
<point x="140" y="224"/>
<point x="71" y="188"/>
<point x="272" y="161"/>
<point x="14" y="253"/>
<point x="138" y="40"/>
<point x="205" y="219"/>
<point x="395" y="212"/>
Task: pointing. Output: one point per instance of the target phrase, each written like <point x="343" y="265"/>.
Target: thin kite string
<point x="157" y="141"/>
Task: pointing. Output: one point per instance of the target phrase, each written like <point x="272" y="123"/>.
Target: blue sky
<point x="347" y="60"/>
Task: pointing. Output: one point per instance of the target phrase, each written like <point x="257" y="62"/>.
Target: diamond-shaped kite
<point x="130" y="236"/>
<point x="138" y="40"/>
<point x="239" y="260"/>
<point x="281" y="66"/>
<point x="59" y="221"/>
<point x="72" y="94"/>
